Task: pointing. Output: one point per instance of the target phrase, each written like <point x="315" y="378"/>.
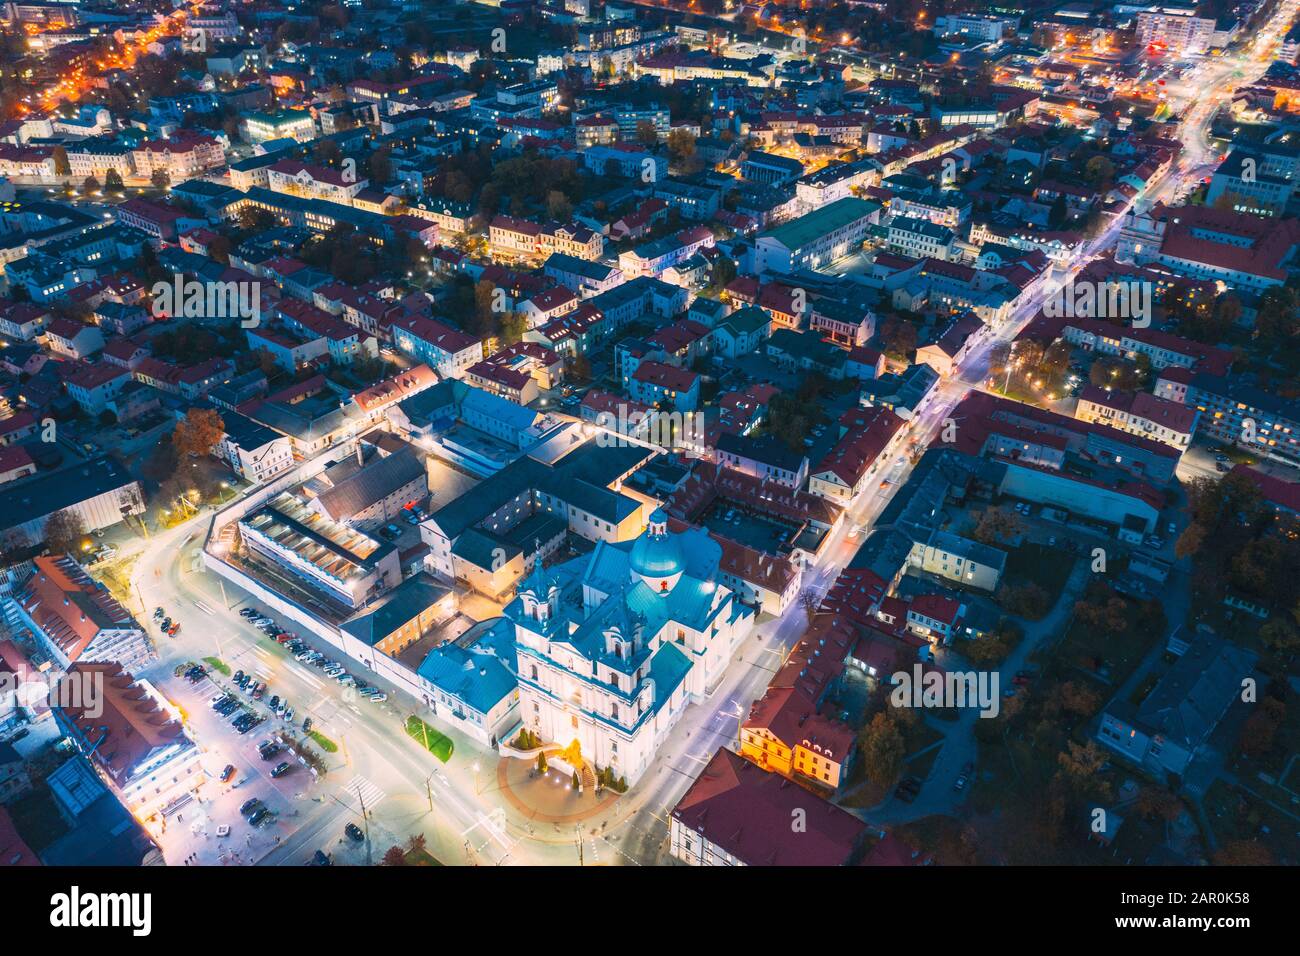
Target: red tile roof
<point x="747" y="812"/>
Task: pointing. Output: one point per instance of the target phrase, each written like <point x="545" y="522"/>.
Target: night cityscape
<point x="780" y="433"/>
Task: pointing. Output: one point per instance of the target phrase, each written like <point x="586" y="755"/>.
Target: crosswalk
<point x="360" y="791"/>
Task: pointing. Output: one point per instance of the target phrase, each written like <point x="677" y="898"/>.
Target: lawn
<point x="218" y="665"/>
<point x="1119" y="654"/>
<point x="421" y="857"/>
<point x="323" y="742"/>
<point x="1047" y="567"/>
<point x="436" y="743"/>
<point x="1236" y="815"/>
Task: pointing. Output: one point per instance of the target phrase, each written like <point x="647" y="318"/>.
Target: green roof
<point x="805" y="230"/>
<point x="747" y="320"/>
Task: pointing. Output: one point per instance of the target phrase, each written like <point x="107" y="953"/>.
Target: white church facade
<point x="613" y="646"/>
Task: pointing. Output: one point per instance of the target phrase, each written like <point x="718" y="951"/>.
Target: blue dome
<point x="657" y="553"/>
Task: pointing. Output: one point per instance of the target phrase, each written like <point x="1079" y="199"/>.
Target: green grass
<point x="1049" y="568"/>
<point x="1121" y="652"/>
<point x="323" y="742"/>
<point x="436" y="743"/>
<point x="217" y="664"/>
<point x="421" y="857"/>
<point x="1234" y="814"/>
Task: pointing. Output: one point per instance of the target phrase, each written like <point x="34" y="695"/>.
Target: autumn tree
<point x="198" y="433"/>
<point x="61" y="165"/>
<point x="996" y="524"/>
<point x="1155" y="803"/>
<point x="1243" y="853"/>
<point x="882" y="748"/>
<point x="394" y="856"/>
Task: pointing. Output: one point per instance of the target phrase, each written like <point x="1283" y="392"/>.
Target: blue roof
<point x="657" y="554"/>
<point x="513" y="414"/>
<point x="474" y="667"/>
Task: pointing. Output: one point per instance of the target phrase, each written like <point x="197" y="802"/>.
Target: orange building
<point x="784" y="734"/>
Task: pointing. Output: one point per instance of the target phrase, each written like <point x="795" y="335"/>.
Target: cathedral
<point x="613" y="645"/>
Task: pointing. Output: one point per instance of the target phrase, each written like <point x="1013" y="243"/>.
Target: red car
<point x="174" y="628"/>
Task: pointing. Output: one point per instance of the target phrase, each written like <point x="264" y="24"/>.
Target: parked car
<point x="320" y="859"/>
<point x="354" y="833"/>
<point x="281" y="768"/>
<point x="259" y="816"/>
<point x="227" y="773"/>
<point x="249" y="806"/>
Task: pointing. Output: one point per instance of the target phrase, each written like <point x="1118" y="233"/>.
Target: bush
<point x="1025" y="600"/>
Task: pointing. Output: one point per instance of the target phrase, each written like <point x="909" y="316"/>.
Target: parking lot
<point x="262" y="748"/>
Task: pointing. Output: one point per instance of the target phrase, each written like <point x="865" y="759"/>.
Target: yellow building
<point x="784" y="734"/>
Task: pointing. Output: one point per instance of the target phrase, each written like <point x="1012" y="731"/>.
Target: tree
<point x="394" y="856"/>
<point x="200" y="431"/>
<point x="1279" y="635"/>
<point x="380" y="165"/>
<point x="809" y="601"/>
<point x="160" y="178"/>
<point x="996" y="524"/>
<point x="558" y="205"/>
<point x="64" y="531"/>
<point x="1099" y="171"/>
<point x="1106" y="614"/>
<point x="255" y="218"/>
<point x="577" y="783"/>
<point x="113" y="181"/>
<point x="646" y="133"/>
<point x="681" y="146"/>
<point x="1025" y="600"/>
<point x="1081" y="762"/>
<point x="882" y="748"/>
<point x="541" y="763"/>
<point x="61" y="165"/>
<point x="1243" y="853"/>
<point x="1190" y="541"/>
<point x="90" y="186"/>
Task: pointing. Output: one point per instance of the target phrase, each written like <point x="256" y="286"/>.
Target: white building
<point x="614" y="645"/>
